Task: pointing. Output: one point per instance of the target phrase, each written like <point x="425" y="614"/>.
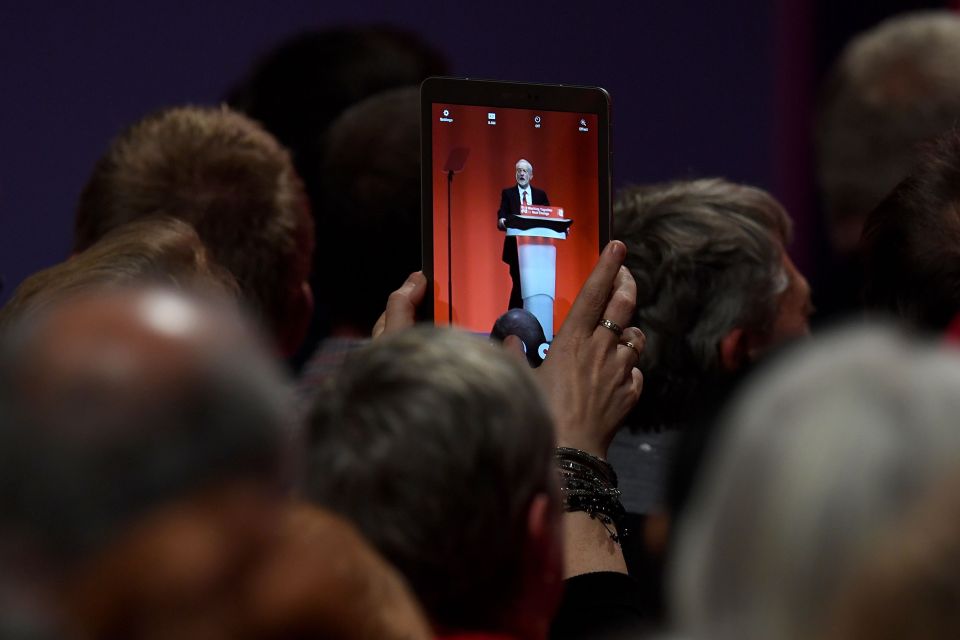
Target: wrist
<point x="583" y="443"/>
<point x="588" y="484"/>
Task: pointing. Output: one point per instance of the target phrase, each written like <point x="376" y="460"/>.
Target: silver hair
<point x="434" y="443"/>
<point x="526" y="162"/>
<point x="813" y="462"/>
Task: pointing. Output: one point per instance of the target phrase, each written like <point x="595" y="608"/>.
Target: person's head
<point x="524" y="325"/>
<point x="298" y="88"/>
<point x="908" y="587"/>
<point x="438" y="446"/>
<point x="911" y="243"/>
<point x="893" y="87"/>
<point x="524" y="172"/>
<point x="371" y="199"/>
<point x="812" y="463"/>
<point x="715" y="286"/>
<point x="193" y="570"/>
<point x="115" y="401"/>
<point x="157" y="251"/>
<point x="230" y="179"/>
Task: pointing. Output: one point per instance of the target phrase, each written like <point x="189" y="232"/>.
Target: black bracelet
<point x="607" y="509"/>
<point x="568" y="456"/>
<point x="589" y="484"/>
<point x="573" y="471"/>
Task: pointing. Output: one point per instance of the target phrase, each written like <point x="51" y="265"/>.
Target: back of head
<point x="434" y="444"/>
<point x="115" y="401"/>
<point x="311" y="576"/>
<point x="371" y="199"/>
<point x="813" y="462"/>
<point x="893" y="87"/>
<point x="297" y="89"/>
<point x="226" y="176"/>
<point x="158" y="251"/>
<point x="707" y="258"/>
<point x="908" y="588"/>
<point x="911" y="243"/>
<point x="524" y="325"/>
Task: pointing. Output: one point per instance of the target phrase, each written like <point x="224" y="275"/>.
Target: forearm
<point x="588" y="546"/>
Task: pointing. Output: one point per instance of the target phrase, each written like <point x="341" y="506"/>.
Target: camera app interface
<point x="516" y="217"/>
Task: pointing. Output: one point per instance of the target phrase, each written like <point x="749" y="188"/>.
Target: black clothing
<point x="510" y="206"/>
<point x="605" y="606"/>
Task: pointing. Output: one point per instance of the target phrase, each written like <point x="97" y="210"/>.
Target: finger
<point x="590" y="303"/>
<point x="630" y="348"/>
<point x="402" y="303"/>
<point x="636" y="337"/>
<point x="378" y="327"/>
<point x="636" y="387"/>
<point x="619" y="307"/>
<point x="515" y="348"/>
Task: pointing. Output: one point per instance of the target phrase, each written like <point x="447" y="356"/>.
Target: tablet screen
<point x="521" y="190"/>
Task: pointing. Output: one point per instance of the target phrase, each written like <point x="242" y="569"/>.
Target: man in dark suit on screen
<point x="510" y="200"/>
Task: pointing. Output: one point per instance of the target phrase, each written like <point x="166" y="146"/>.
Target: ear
<point x="543" y="552"/>
<point x="542" y="522"/>
<point x="542" y="569"/>
<point x="296" y="319"/>
<point x="734" y="350"/>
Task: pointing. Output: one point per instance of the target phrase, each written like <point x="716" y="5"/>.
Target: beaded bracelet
<point x="568" y="456"/>
<point x="607" y="509"/>
<point x="589" y="484"/>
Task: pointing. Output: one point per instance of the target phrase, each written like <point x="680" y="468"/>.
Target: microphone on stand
<point x="456" y="160"/>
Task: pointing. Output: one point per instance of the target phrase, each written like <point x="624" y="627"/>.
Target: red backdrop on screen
<point x="564" y="159"/>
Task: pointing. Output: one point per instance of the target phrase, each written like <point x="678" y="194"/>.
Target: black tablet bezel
<point x="518" y="95"/>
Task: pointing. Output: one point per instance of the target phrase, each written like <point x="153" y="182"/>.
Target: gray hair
<point x="893" y="87"/>
<point x="434" y="443"/>
<point x="707" y="258"/>
<point x="815" y="460"/>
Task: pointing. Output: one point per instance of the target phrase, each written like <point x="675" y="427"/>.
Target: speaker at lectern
<point x="537" y="230"/>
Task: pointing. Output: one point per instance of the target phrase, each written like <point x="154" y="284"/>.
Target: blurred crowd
<point x="219" y="417"/>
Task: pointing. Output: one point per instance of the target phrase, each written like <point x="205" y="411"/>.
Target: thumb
<point x="515" y="348"/>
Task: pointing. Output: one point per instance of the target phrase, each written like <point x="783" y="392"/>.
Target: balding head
<point x="114" y="402"/>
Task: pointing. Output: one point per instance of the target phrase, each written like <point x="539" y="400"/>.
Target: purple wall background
<point x="694" y="87"/>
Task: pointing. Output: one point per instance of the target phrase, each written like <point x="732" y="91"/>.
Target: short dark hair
<point x="524" y="325"/>
<point x="225" y="175"/>
<point x="304" y="83"/>
<point x="371" y="194"/>
<point x="435" y="443"/>
<point x="707" y="258"/>
<point x="911" y="242"/>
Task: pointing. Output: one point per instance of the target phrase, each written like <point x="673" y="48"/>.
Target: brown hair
<point x="225" y="175"/>
<point x="911" y="243"/>
<point x="160" y="250"/>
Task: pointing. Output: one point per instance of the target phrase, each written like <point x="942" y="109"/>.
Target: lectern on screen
<point x="516" y="199"/>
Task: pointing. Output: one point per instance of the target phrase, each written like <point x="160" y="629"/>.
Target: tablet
<point x="516" y="200"/>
